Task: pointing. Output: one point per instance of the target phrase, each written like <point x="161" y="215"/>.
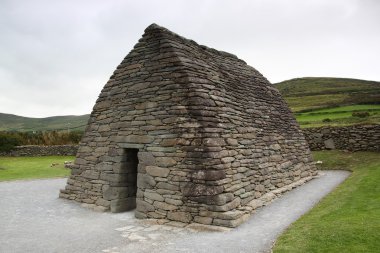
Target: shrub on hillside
<point x="326" y="120"/>
<point x="8" y="142"/>
<point x="45" y="138"/>
<point x="360" y="114"/>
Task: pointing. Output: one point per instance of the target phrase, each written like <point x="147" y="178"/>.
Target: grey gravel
<point x="33" y="219"/>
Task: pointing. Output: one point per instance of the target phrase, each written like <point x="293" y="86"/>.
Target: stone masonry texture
<point x="207" y="133"/>
<point x="352" y="138"/>
<point x="37" y="150"/>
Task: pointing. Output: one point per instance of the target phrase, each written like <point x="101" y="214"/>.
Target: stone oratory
<point x="182" y="132"/>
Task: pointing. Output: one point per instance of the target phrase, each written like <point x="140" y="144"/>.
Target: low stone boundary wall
<point x="352" y="138"/>
<point x="35" y="150"/>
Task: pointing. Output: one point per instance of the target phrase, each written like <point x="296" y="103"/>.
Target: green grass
<point x="350" y="108"/>
<point x="348" y="219"/>
<point x="326" y="85"/>
<point x="339" y="116"/>
<point x="315" y="99"/>
<point x="310" y="93"/>
<point x="299" y="104"/>
<point x="13" y="168"/>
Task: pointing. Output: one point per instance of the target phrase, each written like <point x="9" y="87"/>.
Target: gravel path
<point x="33" y="219"/>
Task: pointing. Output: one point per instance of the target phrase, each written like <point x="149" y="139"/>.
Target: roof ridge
<point x="155" y="27"/>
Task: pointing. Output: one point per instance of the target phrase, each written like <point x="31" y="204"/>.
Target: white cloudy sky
<point x="55" y="56"/>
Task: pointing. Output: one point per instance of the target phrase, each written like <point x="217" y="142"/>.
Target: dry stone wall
<point x="36" y="150"/>
<point x="353" y="138"/>
<point x="211" y="135"/>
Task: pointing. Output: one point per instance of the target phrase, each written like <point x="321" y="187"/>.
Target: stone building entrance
<point x="128" y="178"/>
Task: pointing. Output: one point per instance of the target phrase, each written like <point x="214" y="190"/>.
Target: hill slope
<point x="320" y="101"/>
<point x="10" y="122"/>
<point x="308" y="93"/>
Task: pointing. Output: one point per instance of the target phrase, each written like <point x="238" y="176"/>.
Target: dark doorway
<point x="130" y="167"/>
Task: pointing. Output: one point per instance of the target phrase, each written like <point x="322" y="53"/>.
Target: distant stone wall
<point x="35" y="150"/>
<point x="353" y="138"/>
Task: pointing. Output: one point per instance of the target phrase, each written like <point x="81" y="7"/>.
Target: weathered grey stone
<point x="209" y="175"/>
<point x="140" y="215"/>
<point x="231" y="223"/>
<point x="175" y="202"/>
<point x="153" y="196"/>
<point x="156" y="215"/>
<point x="165" y="161"/>
<point x="145" y="105"/>
<point x="203" y="220"/>
<point x="157" y="171"/>
<point x="139" y="139"/>
<point x="219" y="199"/>
<point x="232" y="142"/>
<point x="226" y="207"/>
<point x="145" y="181"/>
<point x="214" y="142"/>
<point x="167" y="186"/>
<point x="329" y="144"/>
<point x="168" y="142"/>
<point x="91" y="174"/>
<point x="191" y="189"/>
<point x="143" y="206"/>
<point x="228" y="215"/>
<point x="131" y="145"/>
<point x="146" y="158"/>
<point x="165" y="206"/>
<point x="102" y="202"/>
<point x="180" y="216"/>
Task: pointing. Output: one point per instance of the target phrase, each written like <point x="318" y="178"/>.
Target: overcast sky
<point x="55" y="56"/>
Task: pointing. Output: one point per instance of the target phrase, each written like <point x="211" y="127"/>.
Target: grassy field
<point x="310" y="93"/>
<point x="348" y="219"/>
<point x="326" y="85"/>
<point x="323" y="101"/>
<point x="300" y="104"/>
<point x="13" y="168"/>
<point x="339" y="116"/>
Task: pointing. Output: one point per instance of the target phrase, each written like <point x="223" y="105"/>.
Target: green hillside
<point x="10" y="122"/>
<point x="319" y="101"/>
<point x="308" y="93"/>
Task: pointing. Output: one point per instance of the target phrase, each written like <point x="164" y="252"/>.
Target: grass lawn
<point x="315" y="102"/>
<point x="12" y="168"/>
<point x="350" y="108"/>
<point x="339" y="116"/>
<point x="348" y="219"/>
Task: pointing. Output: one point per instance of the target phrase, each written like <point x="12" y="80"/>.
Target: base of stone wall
<point x="220" y="221"/>
<point x="224" y="221"/>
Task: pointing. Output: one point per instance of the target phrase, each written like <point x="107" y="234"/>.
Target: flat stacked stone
<point x="39" y="150"/>
<point x="213" y="135"/>
<point x="352" y="138"/>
